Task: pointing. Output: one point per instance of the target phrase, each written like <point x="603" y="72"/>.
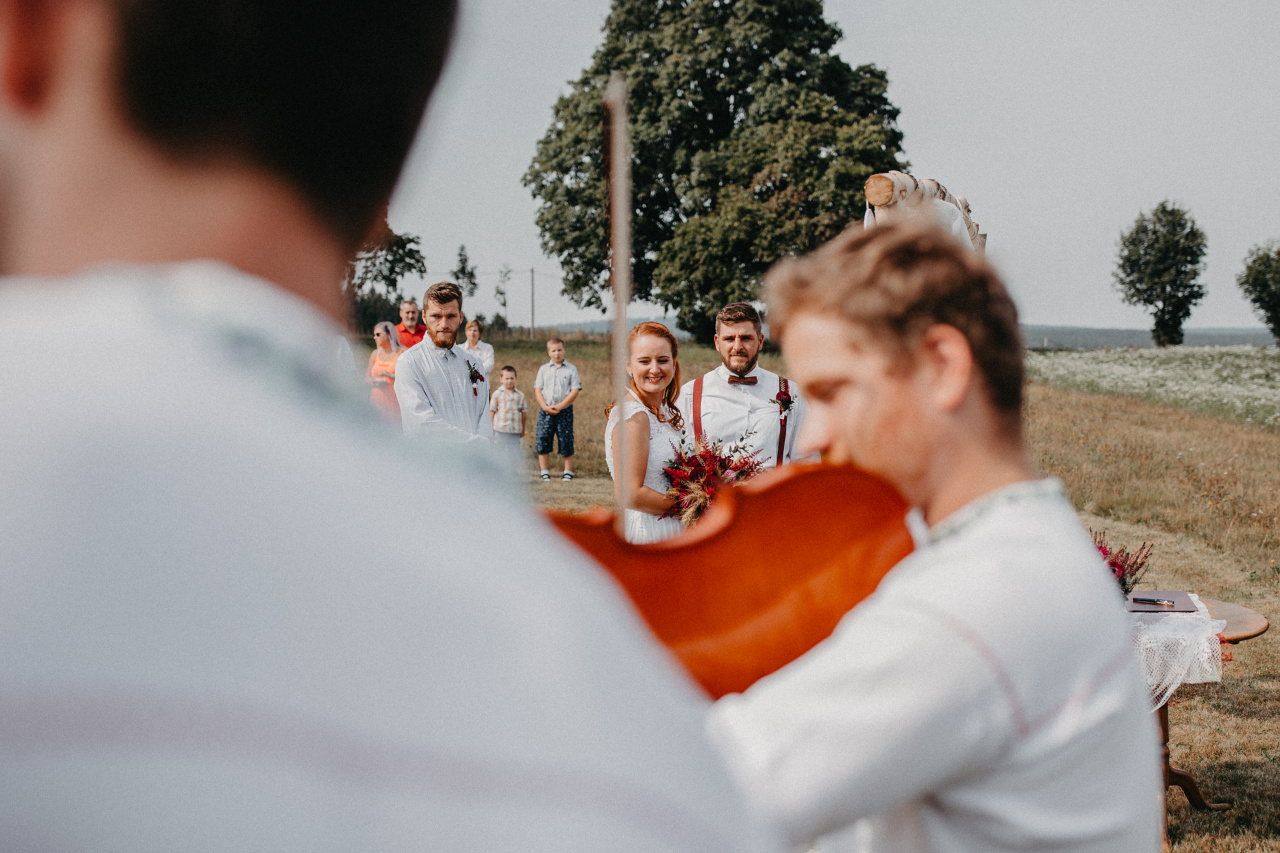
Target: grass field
<point x="1236" y="383"/>
<point x="1153" y="446"/>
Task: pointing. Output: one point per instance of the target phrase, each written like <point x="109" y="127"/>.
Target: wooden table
<point x="1242" y="624"/>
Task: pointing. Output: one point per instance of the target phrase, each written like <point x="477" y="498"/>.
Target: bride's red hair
<point x="672" y="391"/>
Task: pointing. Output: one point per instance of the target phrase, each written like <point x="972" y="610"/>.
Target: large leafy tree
<point x="750" y="140"/>
<point x="1260" y="282"/>
<point x="1161" y="259"/>
<point x="372" y="283"/>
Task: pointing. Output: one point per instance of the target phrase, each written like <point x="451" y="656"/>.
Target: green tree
<point x="373" y="277"/>
<point x="1260" y="282"/>
<point x="750" y="141"/>
<point x="464" y="274"/>
<point x="1161" y="259"/>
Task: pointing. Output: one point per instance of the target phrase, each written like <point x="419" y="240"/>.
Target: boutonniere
<point x="475" y="377"/>
<point x="784" y="400"/>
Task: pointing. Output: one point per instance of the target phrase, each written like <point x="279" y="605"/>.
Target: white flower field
<point x="1241" y="383"/>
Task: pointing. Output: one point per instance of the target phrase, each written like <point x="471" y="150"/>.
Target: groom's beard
<point x="751" y="365"/>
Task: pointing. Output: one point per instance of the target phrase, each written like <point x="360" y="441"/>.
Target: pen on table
<point x="1161" y="601"/>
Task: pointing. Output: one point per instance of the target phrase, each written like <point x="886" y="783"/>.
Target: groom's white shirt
<point x="212" y="639"/>
<point x="729" y="412"/>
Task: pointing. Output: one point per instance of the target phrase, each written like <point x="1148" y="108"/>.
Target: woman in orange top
<point x="382" y="371"/>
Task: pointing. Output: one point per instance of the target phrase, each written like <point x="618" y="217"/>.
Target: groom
<point x="740" y="402"/>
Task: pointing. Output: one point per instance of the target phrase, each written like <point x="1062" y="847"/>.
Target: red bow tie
<point x="734" y="379"/>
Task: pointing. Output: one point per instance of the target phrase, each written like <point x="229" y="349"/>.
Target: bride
<point x="653" y="429"/>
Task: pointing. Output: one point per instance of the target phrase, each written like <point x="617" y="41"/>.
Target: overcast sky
<point x="1059" y="122"/>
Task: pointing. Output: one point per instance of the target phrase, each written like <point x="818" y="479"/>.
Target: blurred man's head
<point x="409" y="314"/>
<point x="211" y="104"/>
<point x="555" y="350"/>
<point x="903" y="341"/>
<point x="442" y="313"/>
<point x="738" y="338"/>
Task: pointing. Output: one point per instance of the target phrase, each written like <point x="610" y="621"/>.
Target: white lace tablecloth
<point x="1177" y="649"/>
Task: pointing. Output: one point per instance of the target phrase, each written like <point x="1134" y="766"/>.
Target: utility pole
<point x="531" y="323"/>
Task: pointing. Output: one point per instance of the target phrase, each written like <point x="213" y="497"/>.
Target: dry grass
<point x="1173" y="470"/>
<point x="1203" y="491"/>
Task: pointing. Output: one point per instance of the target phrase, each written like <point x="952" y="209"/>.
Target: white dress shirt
<point x="985" y="699"/>
<point x="218" y="632"/>
<point x="482" y="355"/>
<point x="731" y="411"/>
<point x="437" y="393"/>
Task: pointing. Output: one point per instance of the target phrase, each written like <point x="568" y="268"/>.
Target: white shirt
<point x="985" y="698"/>
<point x="556" y="381"/>
<point x="213" y="638"/>
<point x="731" y="411"/>
<point x="482" y="355"/>
<point x="437" y="392"/>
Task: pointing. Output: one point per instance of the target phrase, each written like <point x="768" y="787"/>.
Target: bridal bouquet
<point x="700" y="469"/>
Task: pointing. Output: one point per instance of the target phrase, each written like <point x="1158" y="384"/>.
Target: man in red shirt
<point x="409" y="329"/>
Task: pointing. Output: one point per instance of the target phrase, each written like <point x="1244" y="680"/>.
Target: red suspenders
<point x="783" y="391"/>
<point x="697" y="409"/>
<point x="782" y="421"/>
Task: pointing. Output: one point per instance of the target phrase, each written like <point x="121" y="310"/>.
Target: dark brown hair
<point x="672" y="392"/>
<point x="738" y="312"/>
<point x="442" y="293"/>
<point x="326" y="96"/>
<point x="897" y="280"/>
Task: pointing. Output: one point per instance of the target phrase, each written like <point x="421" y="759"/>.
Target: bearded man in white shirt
<point x="987" y="696"/>
<point x="740" y="402"/>
<point x="212" y="637"/>
<point x="442" y="389"/>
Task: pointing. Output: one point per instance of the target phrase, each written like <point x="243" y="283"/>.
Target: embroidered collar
<point x="967" y="515"/>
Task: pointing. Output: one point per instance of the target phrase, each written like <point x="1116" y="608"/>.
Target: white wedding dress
<point x="641" y="527"/>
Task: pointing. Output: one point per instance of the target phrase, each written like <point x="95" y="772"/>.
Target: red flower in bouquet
<point x="700" y="470"/>
<point x="1128" y="569"/>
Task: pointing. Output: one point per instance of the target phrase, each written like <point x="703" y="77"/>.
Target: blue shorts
<point x="559" y="425"/>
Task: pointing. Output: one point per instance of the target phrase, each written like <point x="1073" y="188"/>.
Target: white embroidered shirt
<point x="215" y="639"/>
<point x="985" y="698"/>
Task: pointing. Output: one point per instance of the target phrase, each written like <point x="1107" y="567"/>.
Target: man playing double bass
<point x="740" y="402"/>
<point x="986" y="697"/>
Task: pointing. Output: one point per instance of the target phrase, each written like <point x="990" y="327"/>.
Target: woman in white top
<point x="653" y="429"/>
<point x="477" y="350"/>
